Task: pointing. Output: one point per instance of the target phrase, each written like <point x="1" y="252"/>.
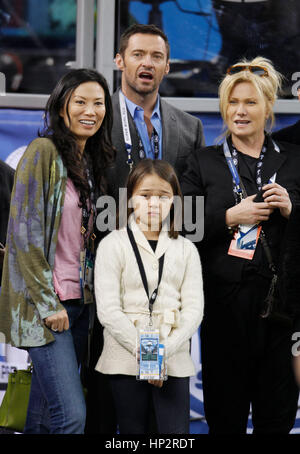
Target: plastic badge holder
<point x="150" y="358"/>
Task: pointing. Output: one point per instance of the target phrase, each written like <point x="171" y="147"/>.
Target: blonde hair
<point x="267" y="87"/>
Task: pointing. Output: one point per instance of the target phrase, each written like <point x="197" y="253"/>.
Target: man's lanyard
<point x="152" y="299"/>
<point x="232" y="162"/>
<point x="127" y="137"/>
<point x="126" y="130"/>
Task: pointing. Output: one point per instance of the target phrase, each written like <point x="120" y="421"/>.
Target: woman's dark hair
<point x="98" y="149"/>
<point x="166" y="172"/>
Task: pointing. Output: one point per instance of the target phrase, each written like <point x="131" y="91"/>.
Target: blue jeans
<point x="56" y="403"/>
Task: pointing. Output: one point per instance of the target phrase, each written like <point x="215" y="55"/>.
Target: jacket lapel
<point x="139" y="237"/>
<point x="271" y="164"/>
<point x="164" y="241"/>
<point x="134" y="139"/>
<point x="170" y="139"/>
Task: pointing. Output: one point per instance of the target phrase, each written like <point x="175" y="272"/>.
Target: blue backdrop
<point x="18" y="127"/>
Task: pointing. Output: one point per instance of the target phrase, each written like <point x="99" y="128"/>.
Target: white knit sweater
<point x="122" y="303"/>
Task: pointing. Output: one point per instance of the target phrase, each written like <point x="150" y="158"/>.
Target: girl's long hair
<point x="99" y="151"/>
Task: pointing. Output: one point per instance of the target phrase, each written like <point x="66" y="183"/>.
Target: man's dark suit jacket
<point x="290" y="134"/>
<point x="208" y="175"/>
<point x="182" y="133"/>
<point x="6" y="184"/>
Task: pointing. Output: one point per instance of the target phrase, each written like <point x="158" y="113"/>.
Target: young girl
<point x="123" y="304"/>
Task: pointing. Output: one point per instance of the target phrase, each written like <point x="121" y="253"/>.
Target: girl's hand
<point x="277" y="197"/>
<point x="248" y="212"/>
<point x="58" y="322"/>
<point x="157" y="383"/>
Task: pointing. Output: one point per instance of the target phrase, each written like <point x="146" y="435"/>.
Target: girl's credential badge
<point x="149" y="367"/>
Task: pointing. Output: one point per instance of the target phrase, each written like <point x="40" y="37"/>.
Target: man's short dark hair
<point x="144" y="29"/>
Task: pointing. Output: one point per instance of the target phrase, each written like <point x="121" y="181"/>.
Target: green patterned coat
<point x="27" y="293"/>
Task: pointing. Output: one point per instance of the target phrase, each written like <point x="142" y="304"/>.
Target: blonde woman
<point x="250" y="184"/>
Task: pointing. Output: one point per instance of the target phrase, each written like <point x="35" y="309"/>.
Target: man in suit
<point x="156" y="129"/>
<point x="290" y="134"/>
<point x="6" y="182"/>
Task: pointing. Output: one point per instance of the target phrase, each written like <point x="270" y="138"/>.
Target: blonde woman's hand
<point x="58" y="322"/>
<point x="157" y="383"/>
<point x="277" y="197"/>
<point x="248" y="212"/>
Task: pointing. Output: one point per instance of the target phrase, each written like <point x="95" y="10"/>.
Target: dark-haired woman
<point x="123" y="304"/>
<point x="46" y="285"/>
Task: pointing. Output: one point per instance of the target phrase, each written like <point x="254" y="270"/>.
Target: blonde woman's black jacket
<point x="208" y="175"/>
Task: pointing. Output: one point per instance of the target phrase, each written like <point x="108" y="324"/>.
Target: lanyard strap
<point x="238" y="189"/>
<point x="127" y="137"/>
<point x="126" y="130"/>
<point x="142" y="270"/>
<point x="86" y="213"/>
<point x="232" y="162"/>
